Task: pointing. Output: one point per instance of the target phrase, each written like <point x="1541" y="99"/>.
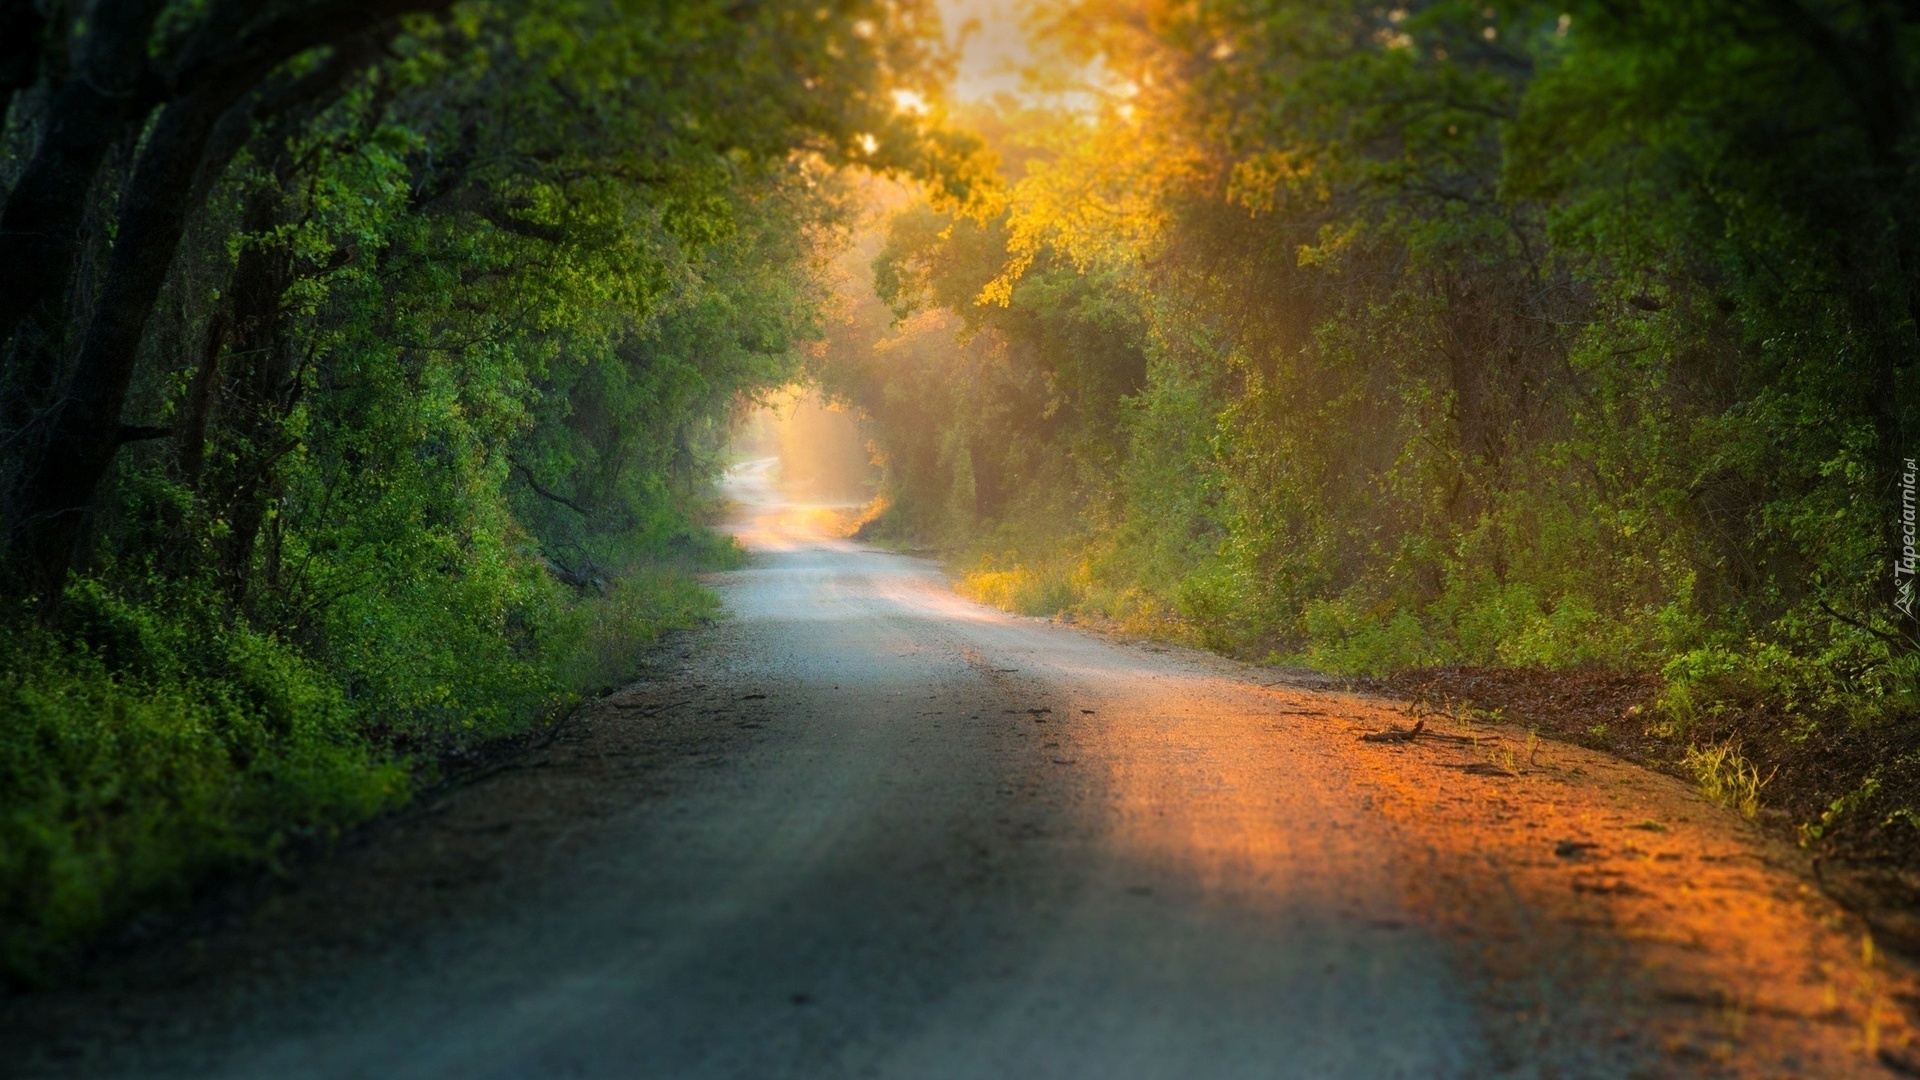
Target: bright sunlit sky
<point x="995" y="49"/>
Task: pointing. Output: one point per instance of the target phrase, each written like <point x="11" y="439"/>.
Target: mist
<point x="824" y="457"/>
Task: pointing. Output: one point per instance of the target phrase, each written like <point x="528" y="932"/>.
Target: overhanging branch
<point x="526" y="475"/>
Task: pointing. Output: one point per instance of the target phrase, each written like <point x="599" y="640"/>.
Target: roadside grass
<point x="1727" y="778"/>
<point x="121" y="788"/>
<point x="1019" y="589"/>
<point x="601" y="641"/>
<point x="151" y="743"/>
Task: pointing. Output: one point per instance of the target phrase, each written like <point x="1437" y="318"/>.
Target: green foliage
<point x="603" y="639"/>
<point x="446" y="363"/>
<point x="161" y="749"/>
<point x="1378" y="338"/>
<point x="1020" y="588"/>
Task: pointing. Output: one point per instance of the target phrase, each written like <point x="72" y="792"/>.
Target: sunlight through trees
<point x="1380" y="338"/>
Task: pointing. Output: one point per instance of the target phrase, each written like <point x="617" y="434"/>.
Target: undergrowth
<point x="1726" y="777"/>
<point x="151" y="742"/>
<point x="1811" y="727"/>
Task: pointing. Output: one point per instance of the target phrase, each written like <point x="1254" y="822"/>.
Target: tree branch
<point x="280" y="96"/>
<point x="1891" y="639"/>
<point x="500" y="217"/>
<point x="141" y="433"/>
<point x="526" y="474"/>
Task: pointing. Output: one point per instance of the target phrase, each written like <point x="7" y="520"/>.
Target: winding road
<point x="865" y="828"/>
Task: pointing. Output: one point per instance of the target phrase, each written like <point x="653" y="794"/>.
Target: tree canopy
<point x="366" y="368"/>
<point x="1505" y="334"/>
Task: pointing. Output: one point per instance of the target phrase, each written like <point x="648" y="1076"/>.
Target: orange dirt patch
<point x="1562" y="874"/>
<point x="1867" y="858"/>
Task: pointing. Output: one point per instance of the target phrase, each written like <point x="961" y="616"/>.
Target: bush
<point x="1021" y="589"/>
<point x="155" y="738"/>
<point x="122" y="788"/>
<point x="602" y="638"/>
<point x="1352" y="642"/>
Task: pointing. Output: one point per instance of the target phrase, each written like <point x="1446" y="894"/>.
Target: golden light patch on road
<point x="1193" y="779"/>
<point x="1633" y="898"/>
<point x="1593" y="899"/>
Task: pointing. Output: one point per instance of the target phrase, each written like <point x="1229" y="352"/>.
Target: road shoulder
<point x="1598" y="899"/>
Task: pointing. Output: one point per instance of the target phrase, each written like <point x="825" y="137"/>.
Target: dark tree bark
<point x="58" y="488"/>
<point x="22" y="36"/>
<point x="40" y="227"/>
<point x="59" y="479"/>
<point x="257" y="388"/>
<point x="191" y="437"/>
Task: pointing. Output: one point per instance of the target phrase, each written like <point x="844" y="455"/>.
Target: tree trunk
<point x="22" y="32"/>
<point x="84" y="433"/>
<point x="59" y="478"/>
<point x="191" y="436"/>
<point x="258" y="386"/>
<point x="41" y="223"/>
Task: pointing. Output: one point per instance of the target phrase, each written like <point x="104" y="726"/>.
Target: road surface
<point x="865" y="828"/>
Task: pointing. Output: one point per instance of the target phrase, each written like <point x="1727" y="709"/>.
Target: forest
<point x="1452" y="343"/>
<point x="368" y="367"/>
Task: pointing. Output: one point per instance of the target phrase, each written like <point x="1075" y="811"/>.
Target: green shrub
<point x="601" y="639"/>
<point x="122" y="789"/>
<point x="155" y="738"/>
<point x="1021" y="589"/>
<point x="1343" y="639"/>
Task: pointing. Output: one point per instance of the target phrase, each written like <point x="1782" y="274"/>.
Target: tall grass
<point x="1726" y="777"/>
<point x="601" y="640"/>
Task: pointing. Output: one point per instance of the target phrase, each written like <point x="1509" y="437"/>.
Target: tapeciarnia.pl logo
<point x="1904" y="566"/>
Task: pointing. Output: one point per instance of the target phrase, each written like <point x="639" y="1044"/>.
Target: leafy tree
<point x="1513" y="334"/>
<point x="366" y="370"/>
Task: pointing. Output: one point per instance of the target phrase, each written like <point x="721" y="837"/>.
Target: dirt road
<point x="863" y="828"/>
